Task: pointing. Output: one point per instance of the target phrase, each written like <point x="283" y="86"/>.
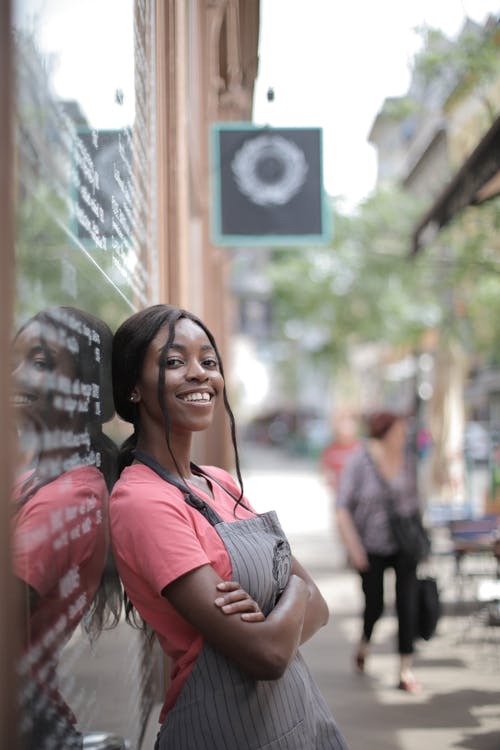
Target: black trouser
<point x="406" y="597"/>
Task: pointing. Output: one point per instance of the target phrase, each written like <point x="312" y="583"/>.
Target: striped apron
<point x="220" y="707"/>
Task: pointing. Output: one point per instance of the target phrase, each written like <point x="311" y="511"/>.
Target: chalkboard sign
<point x="267" y="186"/>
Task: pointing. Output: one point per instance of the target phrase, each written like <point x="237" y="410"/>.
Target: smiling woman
<point x="189" y="367"/>
<point x="216" y="582"/>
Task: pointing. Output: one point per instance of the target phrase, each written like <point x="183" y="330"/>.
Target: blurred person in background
<point x="345" y="440"/>
<point x="380" y="466"/>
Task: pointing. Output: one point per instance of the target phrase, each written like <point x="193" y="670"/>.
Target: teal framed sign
<point x="267" y="186"/>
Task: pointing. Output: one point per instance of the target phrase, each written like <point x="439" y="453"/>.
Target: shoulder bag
<point x="408" y="530"/>
<point x="410" y="535"/>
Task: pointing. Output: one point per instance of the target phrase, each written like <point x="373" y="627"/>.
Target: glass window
<point x="85" y="233"/>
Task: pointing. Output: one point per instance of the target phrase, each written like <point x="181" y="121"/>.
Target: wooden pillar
<point x="172" y="159"/>
<point x="228" y="95"/>
<point x="201" y="79"/>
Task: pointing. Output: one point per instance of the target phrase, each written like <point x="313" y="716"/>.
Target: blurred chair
<point x="483" y="626"/>
<point x="476" y="548"/>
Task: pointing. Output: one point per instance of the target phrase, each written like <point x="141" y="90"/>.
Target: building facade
<point x="105" y="179"/>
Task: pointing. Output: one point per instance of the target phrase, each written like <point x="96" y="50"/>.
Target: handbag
<point x="428" y="607"/>
<point x="408" y="530"/>
<point x="410" y="534"/>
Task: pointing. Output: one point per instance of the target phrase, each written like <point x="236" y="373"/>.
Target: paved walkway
<point x="459" y="706"/>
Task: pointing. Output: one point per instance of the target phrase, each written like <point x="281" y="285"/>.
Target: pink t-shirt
<point x="157" y="537"/>
<point x="59" y="549"/>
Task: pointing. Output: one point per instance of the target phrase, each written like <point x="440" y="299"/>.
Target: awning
<point x="476" y="181"/>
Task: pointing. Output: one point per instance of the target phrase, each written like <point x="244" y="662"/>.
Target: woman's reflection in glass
<point x="62" y="397"/>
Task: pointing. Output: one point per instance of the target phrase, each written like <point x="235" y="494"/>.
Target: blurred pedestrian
<point x="181" y="535"/>
<point x="381" y="466"/>
<point x="345" y="440"/>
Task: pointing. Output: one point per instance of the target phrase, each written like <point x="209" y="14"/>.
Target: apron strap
<point x="203" y="473"/>
<point x="190" y="497"/>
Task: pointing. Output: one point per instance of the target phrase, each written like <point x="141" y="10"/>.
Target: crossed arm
<point x="229" y="619"/>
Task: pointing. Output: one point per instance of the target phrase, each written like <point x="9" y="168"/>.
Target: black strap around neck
<point x="190" y="497"/>
<point x="198" y="470"/>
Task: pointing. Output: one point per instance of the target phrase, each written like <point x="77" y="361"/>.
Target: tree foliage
<point x="358" y="289"/>
<point x="471" y="264"/>
<point x="472" y="61"/>
<point x="472" y="56"/>
<point x="366" y="287"/>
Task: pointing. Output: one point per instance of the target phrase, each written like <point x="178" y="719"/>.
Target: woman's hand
<point x="348" y="532"/>
<point x="264" y="646"/>
<point x="237" y="600"/>
<point x="359" y="559"/>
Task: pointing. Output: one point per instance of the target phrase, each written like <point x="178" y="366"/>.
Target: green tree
<point x="361" y="288"/>
<point x="472" y="61"/>
<point x="365" y="287"/>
